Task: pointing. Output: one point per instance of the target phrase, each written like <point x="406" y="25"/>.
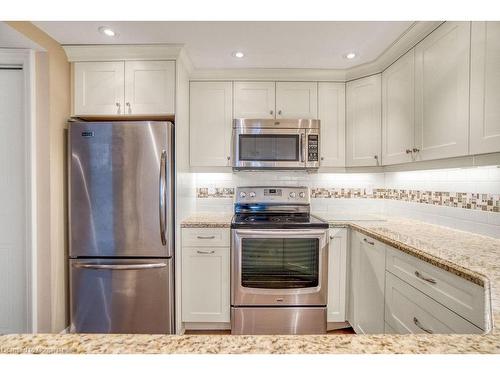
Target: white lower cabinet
<point x="367" y="284"/>
<point x="410" y="311"/>
<point x="205" y="276"/>
<point x="337" y="267"/>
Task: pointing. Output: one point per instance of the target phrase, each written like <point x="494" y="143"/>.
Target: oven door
<point x="279" y="267"/>
<point x="269" y="148"/>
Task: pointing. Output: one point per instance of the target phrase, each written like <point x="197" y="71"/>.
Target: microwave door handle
<point x="302" y="148"/>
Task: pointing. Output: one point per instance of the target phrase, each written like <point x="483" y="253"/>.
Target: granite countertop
<point x="471" y="256"/>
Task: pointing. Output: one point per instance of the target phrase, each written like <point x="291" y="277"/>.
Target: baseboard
<point x="206" y="326"/>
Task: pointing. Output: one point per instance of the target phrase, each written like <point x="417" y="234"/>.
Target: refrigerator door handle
<point x="141" y="266"/>
<point x="163" y="196"/>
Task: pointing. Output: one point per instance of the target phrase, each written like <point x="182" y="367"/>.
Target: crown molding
<point x="412" y="36"/>
<point x="120" y="52"/>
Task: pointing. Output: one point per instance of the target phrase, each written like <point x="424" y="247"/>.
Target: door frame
<point x="25" y="59"/>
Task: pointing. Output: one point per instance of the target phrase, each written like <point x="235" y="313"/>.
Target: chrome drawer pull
<point x="419" y="325"/>
<point x="205" y="252"/>
<point x="205" y="237"/>
<point x="368" y="242"/>
<point x="429" y="280"/>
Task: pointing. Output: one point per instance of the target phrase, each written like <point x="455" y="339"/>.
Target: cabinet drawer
<point x="410" y="311"/>
<point x="205" y="236"/>
<point x="462" y="296"/>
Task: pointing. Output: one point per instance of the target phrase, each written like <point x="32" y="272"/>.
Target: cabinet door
<point x="297" y="100"/>
<point x="442" y="92"/>
<point x="254" y="100"/>
<point x="485" y="88"/>
<point x="398" y="108"/>
<point x="99" y="88"/>
<point x="331" y="112"/>
<point x="149" y="87"/>
<point x="205" y="284"/>
<point x="364" y="107"/>
<point x="368" y="285"/>
<point x="210" y="123"/>
<point x="337" y="269"/>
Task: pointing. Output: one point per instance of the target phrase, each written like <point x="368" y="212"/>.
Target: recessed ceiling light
<point x="238" y="54"/>
<point x="106" y="31"/>
<point x="350" y="55"/>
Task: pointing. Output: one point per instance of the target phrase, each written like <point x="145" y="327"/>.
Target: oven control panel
<point x="263" y="194"/>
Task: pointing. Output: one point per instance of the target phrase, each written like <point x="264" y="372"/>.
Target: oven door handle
<point x="286" y="233"/>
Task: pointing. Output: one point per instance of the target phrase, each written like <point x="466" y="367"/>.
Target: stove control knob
<point x="252" y="194"/>
<point x="302" y="194"/>
<point x="243" y="194"/>
<point x="292" y="194"/>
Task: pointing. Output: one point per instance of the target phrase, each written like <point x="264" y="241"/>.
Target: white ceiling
<point x="210" y="45"/>
<point x="10" y="38"/>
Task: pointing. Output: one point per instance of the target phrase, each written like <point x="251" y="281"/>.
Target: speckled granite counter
<point x="471" y="256"/>
<point x="208" y="220"/>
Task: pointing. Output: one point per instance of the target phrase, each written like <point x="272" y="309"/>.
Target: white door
<point x="485" y="88"/>
<point x="331" y="113"/>
<point x="254" y="100"/>
<point x="13" y="205"/>
<point x="364" y="107"/>
<point x="368" y="284"/>
<point x="337" y="270"/>
<point x="442" y="92"/>
<point x="149" y="87"/>
<point x="210" y="123"/>
<point x="99" y="88"/>
<point x="205" y="284"/>
<point x="398" y="111"/>
<point x="297" y="100"/>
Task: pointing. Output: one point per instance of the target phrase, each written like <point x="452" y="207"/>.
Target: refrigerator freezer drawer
<point x="122" y="296"/>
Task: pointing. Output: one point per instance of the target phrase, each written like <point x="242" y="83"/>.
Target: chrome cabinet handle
<point x="271" y="112"/>
<point x="419" y="325"/>
<point x="368" y="242"/>
<point x="279" y="112"/>
<point x="408" y="151"/>
<point x="118" y="109"/>
<point x="205" y="237"/>
<point x="119" y="267"/>
<point x="129" y="107"/>
<point x="163" y="196"/>
<point x="429" y="280"/>
<point x="205" y="252"/>
<point x="332" y="237"/>
<point x="416" y="150"/>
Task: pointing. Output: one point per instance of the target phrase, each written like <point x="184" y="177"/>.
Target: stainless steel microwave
<point x="275" y="144"/>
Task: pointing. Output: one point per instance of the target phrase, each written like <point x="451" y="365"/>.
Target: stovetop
<point x="276" y="221"/>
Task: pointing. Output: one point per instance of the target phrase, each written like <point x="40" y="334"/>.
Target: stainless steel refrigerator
<point x="121" y="220"/>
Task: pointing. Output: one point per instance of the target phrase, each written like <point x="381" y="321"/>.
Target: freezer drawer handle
<point x="162" y="197"/>
<point x="120" y="267"/>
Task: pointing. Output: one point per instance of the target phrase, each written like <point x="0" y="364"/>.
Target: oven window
<point x="279" y="263"/>
<point x="269" y="147"/>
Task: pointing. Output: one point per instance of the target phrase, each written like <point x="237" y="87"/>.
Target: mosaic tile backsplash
<point x="473" y="201"/>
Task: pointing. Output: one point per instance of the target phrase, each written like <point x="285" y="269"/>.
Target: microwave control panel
<point x="312" y="147"/>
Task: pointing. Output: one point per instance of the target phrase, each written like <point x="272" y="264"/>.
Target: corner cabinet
<point x="364" y="111"/>
<point x="442" y="92"/>
<point x="398" y="107"/>
<point x="210" y="119"/>
<point x="331" y="112"/>
<point x="485" y="88"/>
<point x="124" y="88"/>
<point x="337" y="270"/>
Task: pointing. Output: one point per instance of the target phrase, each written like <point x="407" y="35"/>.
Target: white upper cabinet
<point x="364" y="107"/>
<point x="124" y="88"/>
<point x="296" y="100"/>
<point x="98" y="88"/>
<point x="485" y="88"/>
<point x="210" y="117"/>
<point x="149" y="87"/>
<point x="398" y="107"/>
<point x="331" y="112"/>
<point x="254" y="100"/>
<point x="442" y="92"/>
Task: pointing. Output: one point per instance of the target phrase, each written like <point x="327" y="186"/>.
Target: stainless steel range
<point x="279" y="262"/>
